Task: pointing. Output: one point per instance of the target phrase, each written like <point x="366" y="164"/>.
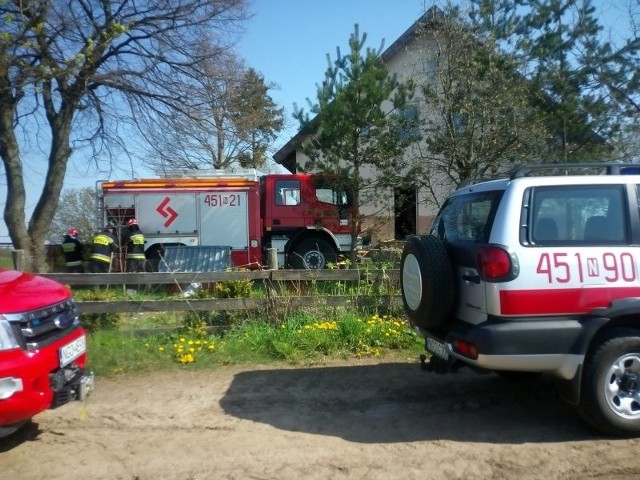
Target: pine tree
<point x="358" y="124"/>
<point x="257" y="118"/>
<point x="577" y="76"/>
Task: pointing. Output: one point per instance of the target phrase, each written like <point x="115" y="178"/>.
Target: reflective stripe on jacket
<point x="135" y="247"/>
<point x="103" y="245"/>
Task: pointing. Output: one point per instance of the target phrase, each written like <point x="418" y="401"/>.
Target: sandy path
<point x="362" y="420"/>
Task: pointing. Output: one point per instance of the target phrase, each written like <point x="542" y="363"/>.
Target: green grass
<point x="301" y="338"/>
<point x="6" y="259"/>
<point x="279" y="332"/>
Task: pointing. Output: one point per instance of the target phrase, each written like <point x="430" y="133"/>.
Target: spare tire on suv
<point x="426" y="280"/>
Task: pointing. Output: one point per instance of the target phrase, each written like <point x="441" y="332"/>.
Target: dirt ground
<point x="357" y="419"/>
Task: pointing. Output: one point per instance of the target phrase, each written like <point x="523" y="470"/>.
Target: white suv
<point x="538" y="273"/>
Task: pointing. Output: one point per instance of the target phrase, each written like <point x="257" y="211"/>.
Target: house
<point x="405" y="210"/>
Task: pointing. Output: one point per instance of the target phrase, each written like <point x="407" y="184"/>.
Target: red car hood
<point x="22" y="292"/>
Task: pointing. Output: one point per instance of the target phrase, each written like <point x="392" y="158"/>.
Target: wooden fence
<point x="297" y="280"/>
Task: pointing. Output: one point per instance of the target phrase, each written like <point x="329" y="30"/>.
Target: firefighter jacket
<point x="135" y="246"/>
<point x="104" y="244"/>
<point x="72" y="249"/>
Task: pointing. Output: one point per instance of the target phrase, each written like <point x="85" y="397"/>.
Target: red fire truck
<point x="308" y="224"/>
<point x="42" y="348"/>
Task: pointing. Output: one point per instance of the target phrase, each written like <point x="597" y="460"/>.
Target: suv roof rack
<point x="473" y="181"/>
<point x="564" y="169"/>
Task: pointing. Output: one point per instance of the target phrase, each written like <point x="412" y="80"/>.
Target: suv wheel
<point x="426" y="281"/>
<point x="610" y="399"/>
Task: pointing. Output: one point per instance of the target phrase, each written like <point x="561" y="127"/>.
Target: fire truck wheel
<point x="426" y="281"/>
<point x="313" y="254"/>
<point x="610" y="399"/>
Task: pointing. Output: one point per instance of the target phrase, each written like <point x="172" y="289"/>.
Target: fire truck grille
<point x="44" y="326"/>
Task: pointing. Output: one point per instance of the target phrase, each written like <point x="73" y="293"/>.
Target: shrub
<point x="195" y="322"/>
<point x="93" y="322"/>
<point x="233" y="289"/>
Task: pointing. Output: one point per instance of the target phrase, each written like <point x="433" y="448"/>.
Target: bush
<point x="93" y="322"/>
<point x="198" y="322"/>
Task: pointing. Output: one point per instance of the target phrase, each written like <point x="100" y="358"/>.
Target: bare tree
<point x="229" y="119"/>
<point x="481" y="119"/>
<point x="81" y="66"/>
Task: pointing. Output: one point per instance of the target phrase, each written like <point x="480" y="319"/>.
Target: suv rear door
<point x="464" y="223"/>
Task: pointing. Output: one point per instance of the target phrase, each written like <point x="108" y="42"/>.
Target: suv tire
<point x="610" y="399"/>
<point x="426" y="280"/>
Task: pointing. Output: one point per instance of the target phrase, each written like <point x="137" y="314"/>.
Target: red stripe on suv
<point x="560" y="301"/>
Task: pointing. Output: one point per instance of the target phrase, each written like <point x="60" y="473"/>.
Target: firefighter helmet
<point x="73" y="232"/>
<point x="131" y="221"/>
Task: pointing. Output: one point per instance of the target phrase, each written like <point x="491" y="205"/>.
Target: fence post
<point x="272" y="258"/>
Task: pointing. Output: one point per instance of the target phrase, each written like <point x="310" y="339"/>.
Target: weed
<point x="98" y="321"/>
<point x="301" y="337"/>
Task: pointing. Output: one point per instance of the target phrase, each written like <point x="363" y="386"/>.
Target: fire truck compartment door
<point x="224" y="219"/>
<point x="167" y="213"/>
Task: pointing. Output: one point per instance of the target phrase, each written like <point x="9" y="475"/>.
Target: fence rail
<point x="155" y="278"/>
<point x="218" y="304"/>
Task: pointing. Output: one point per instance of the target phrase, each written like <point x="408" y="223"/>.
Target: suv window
<point x="577" y="213"/>
<point x="467" y="217"/>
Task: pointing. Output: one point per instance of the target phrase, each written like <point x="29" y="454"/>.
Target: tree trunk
<point x="14" y="215"/>
<point x="32" y="239"/>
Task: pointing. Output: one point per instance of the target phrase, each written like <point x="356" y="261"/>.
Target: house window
<point x="459" y="122"/>
<point x="430" y="67"/>
<point x="408" y="119"/>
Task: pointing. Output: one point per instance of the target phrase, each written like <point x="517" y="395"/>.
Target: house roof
<point x="428" y="18"/>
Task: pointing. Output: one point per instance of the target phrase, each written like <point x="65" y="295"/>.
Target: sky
<point x="288" y="41"/>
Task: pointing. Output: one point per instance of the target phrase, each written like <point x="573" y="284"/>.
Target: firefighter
<point x="72" y="249"/>
<point x="135" y="247"/>
<point x="104" y="246"/>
